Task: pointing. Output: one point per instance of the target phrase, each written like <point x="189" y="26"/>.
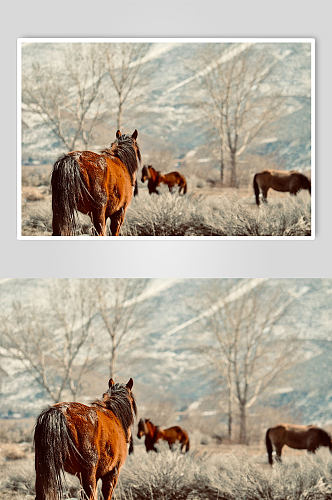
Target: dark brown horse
<point x="100" y="185"/>
<point x="300" y="437"/>
<point x="152" y="176"/>
<point x="90" y="442"/>
<point x="280" y="180"/>
<point x="155" y="178"/>
<point x="153" y="433"/>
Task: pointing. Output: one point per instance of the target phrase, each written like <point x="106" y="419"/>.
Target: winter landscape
<point x="216" y="113"/>
<point x="224" y="359"/>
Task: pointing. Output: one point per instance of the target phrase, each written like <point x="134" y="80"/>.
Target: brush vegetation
<point x="197" y="475"/>
<point x="196" y="214"/>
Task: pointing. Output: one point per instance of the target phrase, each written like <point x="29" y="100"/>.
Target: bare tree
<point x="124" y="63"/>
<point x="246" y="348"/>
<point x="66" y="96"/>
<point x="116" y="304"/>
<point x="52" y="342"/>
<point x="233" y="101"/>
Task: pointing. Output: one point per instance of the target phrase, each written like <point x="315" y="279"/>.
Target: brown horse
<point x="174" y="179"/>
<point x="155" y="178"/>
<point x="100" y="185"/>
<point x="152" y="176"/>
<point x="300" y="437"/>
<point x="153" y="433"/>
<point x="90" y="442"/>
<point x="280" y="180"/>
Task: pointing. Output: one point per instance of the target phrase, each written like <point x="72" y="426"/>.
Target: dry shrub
<point x="199" y="215"/>
<point x="37" y="219"/>
<point x="36" y="175"/>
<point x="13" y="452"/>
<point x="169" y="476"/>
<point x="222" y="214"/>
<point x="30" y="193"/>
<point x="19" y="481"/>
<point x="16" y="431"/>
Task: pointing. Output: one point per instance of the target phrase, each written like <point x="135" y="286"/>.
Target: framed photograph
<point x="190" y="138"/>
<point x="201" y="388"/>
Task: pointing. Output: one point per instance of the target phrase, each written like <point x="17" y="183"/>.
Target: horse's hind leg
<point x="89" y="486"/>
<point x="99" y="221"/>
<point x="264" y="193"/>
<point x="109" y="483"/>
<point x="278" y="449"/>
<point x="311" y="446"/>
<point x="116" y="221"/>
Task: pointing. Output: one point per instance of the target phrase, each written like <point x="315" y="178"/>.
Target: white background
<point x="255" y="18"/>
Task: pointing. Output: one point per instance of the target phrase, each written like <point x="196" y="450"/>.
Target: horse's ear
<point x="130" y="384"/>
<point x="135" y="134"/>
<point x="118" y="134"/>
<point x="110" y="383"/>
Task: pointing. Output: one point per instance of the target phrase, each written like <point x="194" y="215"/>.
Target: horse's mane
<point x="116" y="399"/>
<point x="123" y="149"/>
<point x="156" y="427"/>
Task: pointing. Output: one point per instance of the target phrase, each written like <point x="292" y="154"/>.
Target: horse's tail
<point x="53" y="444"/>
<point x="269" y="448"/>
<point x="184" y="186"/>
<point x="309" y="185"/>
<point x="256" y="189"/>
<point x="131" y="445"/>
<point x="67" y="190"/>
<point x="136" y="188"/>
<point x="187" y="445"/>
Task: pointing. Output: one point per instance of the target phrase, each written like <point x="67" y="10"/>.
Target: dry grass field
<point x="223" y="472"/>
<point x="204" y="211"/>
<point x="230" y="472"/>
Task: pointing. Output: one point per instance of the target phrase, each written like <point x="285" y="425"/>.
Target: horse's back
<point x="174" y="177"/>
<point x="276" y="179"/>
<point x="177" y="432"/>
<point x="95" y="429"/>
<point x="294" y="436"/>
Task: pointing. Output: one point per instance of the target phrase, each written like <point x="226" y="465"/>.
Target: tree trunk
<point x="230" y="419"/>
<point x="221" y="165"/>
<point x="119" y="116"/>
<point x="112" y="363"/>
<point x="243" y="425"/>
<point x="230" y="407"/>
<point x="233" y="180"/>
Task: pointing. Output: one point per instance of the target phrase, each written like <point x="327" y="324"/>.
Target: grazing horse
<point x="172" y="179"/>
<point x="153" y="433"/>
<point x="155" y="178"/>
<point x="88" y="441"/>
<point x="300" y="437"/>
<point x="280" y="180"/>
<point x="100" y="185"/>
<point x="152" y="176"/>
